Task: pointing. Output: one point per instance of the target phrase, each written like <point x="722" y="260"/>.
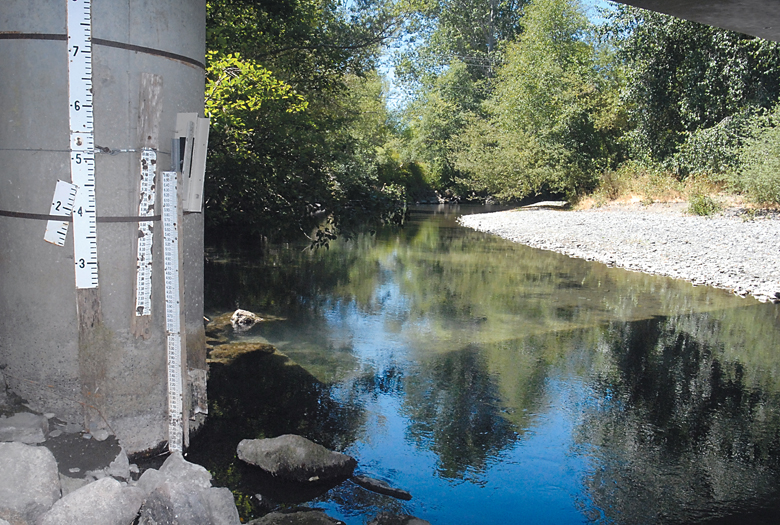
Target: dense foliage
<point x="288" y="86"/>
<point x="565" y="102"/>
<point x="506" y="99"/>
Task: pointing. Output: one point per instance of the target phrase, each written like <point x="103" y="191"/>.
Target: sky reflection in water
<point x="502" y="384"/>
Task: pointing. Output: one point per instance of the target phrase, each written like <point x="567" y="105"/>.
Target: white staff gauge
<point x="82" y="142"/>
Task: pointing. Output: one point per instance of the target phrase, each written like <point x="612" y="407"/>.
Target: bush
<point x="712" y="150"/>
<point x="700" y="204"/>
<point x="758" y="176"/>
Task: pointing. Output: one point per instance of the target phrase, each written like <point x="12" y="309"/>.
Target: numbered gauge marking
<point x="170" y="214"/>
<point x="82" y="144"/>
<point x="62" y="204"/>
<point x="143" y="296"/>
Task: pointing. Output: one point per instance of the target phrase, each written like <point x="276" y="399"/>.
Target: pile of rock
<point x="36" y="488"/>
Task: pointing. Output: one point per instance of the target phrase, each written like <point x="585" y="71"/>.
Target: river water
<point x="497" y="383"/>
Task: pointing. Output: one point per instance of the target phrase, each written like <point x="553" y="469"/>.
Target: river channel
<point x="497" y="383"/>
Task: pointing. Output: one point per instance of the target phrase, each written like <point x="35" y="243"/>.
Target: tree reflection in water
<point x="497" y="382"/>
<point x="679" y="436"/>
<point x="454" y="410"/>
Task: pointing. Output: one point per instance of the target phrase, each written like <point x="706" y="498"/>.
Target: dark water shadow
<point x="261" y="396"/>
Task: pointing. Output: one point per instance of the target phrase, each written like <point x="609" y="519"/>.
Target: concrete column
<point x="94" y="370"/>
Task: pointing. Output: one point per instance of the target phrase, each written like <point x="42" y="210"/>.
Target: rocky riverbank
<point x="54" y="472"/>
<point x="734" y="250"/>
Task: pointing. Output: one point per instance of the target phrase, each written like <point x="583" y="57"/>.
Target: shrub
<point x="712" y="150"/>
<point x="759" y="174"/>
<point x="700" y="204"/>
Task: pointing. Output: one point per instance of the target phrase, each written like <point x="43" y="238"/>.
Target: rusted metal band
<point x="32" y="36"/>
<point x="69" y="218"/>
<point x="149" y="51"/>
<point x="106" y="43"/>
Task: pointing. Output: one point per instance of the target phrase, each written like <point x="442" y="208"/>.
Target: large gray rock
<point x="296" y="458"/>
<point x="176" y="469"/>
<point x="180" y="493"/>
<point x="183" y="504"/>
<point x="301" y="517"/>
<point x="103" y="502"/>
<point x="29" y="483"/>
<point x="24" y="427"/>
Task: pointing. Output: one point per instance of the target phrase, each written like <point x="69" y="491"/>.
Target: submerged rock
<point x="296" y="458"/>
<point x="227" y="353"/>
<point x="298" y="517"/>
<point x="29" y="483"/>
<point x="380" y="487"/>
<point x="386" y="518"/>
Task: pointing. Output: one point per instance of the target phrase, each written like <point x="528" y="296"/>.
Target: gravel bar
<point x="723" y="251"/>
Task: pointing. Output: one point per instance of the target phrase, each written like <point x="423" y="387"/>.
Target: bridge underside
<point x="759" y="18"/>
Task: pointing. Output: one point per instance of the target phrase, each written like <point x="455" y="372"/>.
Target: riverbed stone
<point x="386" y="518"/>
<point x="29" y="484"/>
<point x="180" y="493"/>
<point x="185" y="504"/>
<point x="299" y="517"/>
<point x="24" y="427"/>
<point x="380" y="487"/>
<point x="103" y="502"/>
<point x="176" y="469"/>
<point x="227" y="353"/>
<point x="296" y="458"/>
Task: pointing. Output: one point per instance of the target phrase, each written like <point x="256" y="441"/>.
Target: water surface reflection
<point x="499" y="383"/>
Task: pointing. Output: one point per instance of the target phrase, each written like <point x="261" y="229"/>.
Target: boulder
<point x="183" y="504"/>
<point x="180" y="493"/>
<point x="24" y="427"/>
<point x="29" y="484"/>
<point x="243" y="320"/>
<point x="380" y="487"/>
<point x="176" y="469"/>
<point x="103" y="502"/>
<point x="299" y="517"/>
<point x="385" y="518"/>
<point x="296" y="458"/>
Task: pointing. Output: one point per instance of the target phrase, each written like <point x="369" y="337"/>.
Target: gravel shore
<point x="725" y="251"/>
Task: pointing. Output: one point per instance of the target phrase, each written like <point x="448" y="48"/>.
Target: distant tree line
<point x="507" y="99"/>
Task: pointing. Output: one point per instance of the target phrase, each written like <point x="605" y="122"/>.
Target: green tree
<point x="543" y="131"/>
<point x="683" y="77"/>
<point x="282" y="156"/>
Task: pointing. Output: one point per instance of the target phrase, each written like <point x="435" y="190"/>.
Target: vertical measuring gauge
<point x="82" y="142"/>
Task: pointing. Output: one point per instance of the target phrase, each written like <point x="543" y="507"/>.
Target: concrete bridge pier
<point x="82" y="353"/>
